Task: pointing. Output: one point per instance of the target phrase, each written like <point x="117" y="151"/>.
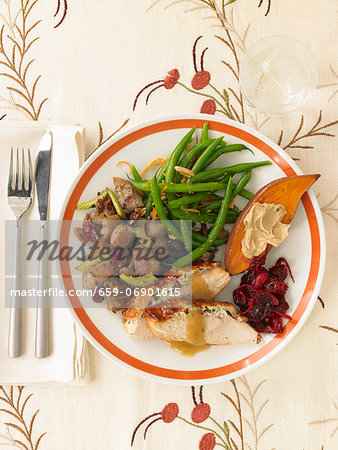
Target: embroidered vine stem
<point x="102" y="140"/>
<point x="330" y="210"/>
<point x="268" y="7"/>
<point x="249" y="399"/>
<point x="15" y="408"/>
<point x="299" y="135"/>
<point x="225" y="445"/>
<point x="329" y="328"/>
<point x="223" y="109"/>
<point x="225" y="430"/>
<point x="238" y="408"/>
<point x="16" y="62"/>
<point x="58" y="8"/>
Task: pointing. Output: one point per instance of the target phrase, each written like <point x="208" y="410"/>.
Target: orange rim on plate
<point x="188" y="374"/>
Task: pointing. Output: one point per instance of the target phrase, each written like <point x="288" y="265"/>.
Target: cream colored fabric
<point x="92" y="67"/>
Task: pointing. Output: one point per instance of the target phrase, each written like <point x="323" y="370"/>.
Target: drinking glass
<point x="278" y="75"/>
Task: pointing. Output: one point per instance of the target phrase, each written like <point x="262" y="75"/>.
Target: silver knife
<point x="42" y="179"/>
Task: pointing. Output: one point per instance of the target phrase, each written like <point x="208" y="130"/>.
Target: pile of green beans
<point x="214" y="174"/>
<point x="213" y="235"/>
<point x="197" y="198"/>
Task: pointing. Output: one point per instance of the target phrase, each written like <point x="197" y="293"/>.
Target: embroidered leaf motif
<point x="16" y="40"/>
<point x="300" y="134"/>
<point x="13" y="397"/>
<point x="103" y="140"/>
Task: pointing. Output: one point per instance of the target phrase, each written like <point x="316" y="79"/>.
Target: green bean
<point x="155" y="192"/>
<point x="246" y="194"/>
<point x="160" y="177"/>
<point x="149" y="205"/>
<point x="206" y="155"/>
<point x="194" y="205"/>
<point x="222" y="150"/>
<point x="188" y="199"/>
<point x="161" y="172"/>
<point x="224" y="179"/>
<point x="176" y="154"/>
<point x="242" y="182"/>
<point x="195" y="244"/>
<point x="203" y="218"/>
<point x="180" y="187"/>
<point x="204" y="133"/>
<point x="214" y="174"/>
<point x="198" y="237"/>
<point x="175" y="157"/>
<point x="211" y="197"/>
<point x="135" y="173"/>
<point x="186" y="188"/>
<point x="213" y="235"/>
<point x="193" y="216"/>
<point x="186" y="234"/>
<point x="188" y="158"/>
<point x="215" y="204"/>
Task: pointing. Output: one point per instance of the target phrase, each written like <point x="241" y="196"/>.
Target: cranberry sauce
<point x="261" y="295"/>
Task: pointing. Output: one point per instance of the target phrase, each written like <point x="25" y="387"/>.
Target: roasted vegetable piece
<point x="116" y="203"/>
<point x="285" y="191"/>
<point x="91" y="203"/>
<point x="113" y="197"/>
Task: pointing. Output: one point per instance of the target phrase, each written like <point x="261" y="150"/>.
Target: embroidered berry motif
<point x="200" y="80"/>
<point x="200" y="413"/>
<point x="169" y="412"/>
<point x="208" y="107"/>
<point x="207" y="442"/>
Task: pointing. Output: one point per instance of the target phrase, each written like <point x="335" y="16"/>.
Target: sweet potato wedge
<point x="286" y="191"/>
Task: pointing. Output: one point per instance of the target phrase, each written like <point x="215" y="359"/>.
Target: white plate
<point x="304" y="250"/>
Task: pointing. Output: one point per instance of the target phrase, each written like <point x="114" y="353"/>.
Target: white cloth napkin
<point x="68" y="361"/>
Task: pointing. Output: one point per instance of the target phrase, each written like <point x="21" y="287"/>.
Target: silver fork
<point x="20" y="196"/>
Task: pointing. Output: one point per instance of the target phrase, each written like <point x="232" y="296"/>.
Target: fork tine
<point x="10" y="174"/>
<point x="17" y="164"/>
<point x="30" y="171"/>
<point x="23" y="170"/>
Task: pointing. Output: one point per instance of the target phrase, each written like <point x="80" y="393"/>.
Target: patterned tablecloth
<point x="101" y="63"/>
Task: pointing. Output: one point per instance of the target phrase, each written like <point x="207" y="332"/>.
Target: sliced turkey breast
<point x="205" y="280"/>
<point x="213" y="323"/>
<point x="134" y="320"/>
<point x="202" y="281"/>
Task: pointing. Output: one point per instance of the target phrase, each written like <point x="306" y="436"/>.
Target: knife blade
<point x="42" y="174"/>
<point x="42" y="181"/>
